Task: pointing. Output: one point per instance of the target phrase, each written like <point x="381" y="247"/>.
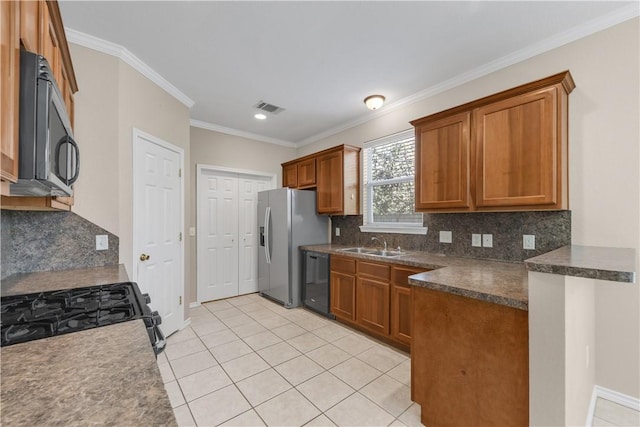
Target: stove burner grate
<point x="40" y="315"/>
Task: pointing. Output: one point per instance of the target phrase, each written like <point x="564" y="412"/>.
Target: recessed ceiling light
<point x="260" y="116"/>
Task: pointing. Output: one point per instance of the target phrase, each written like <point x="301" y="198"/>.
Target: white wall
<point x="219" y="149"/>
<point x="604" y="164"/>
<point x="113" y="98"/>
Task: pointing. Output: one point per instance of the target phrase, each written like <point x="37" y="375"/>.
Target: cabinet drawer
<point x="372" y="269"/>
<point x="400" y="274"/>
<point x="343" y="265"/>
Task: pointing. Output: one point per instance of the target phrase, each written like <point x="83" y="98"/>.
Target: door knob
<point x="144" y="257"/>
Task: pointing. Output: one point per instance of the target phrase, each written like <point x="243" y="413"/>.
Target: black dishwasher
<point x="315" y="282"/>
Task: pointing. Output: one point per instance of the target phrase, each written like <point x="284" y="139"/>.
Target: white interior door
<point x="157" y="227"/>
<point x="217" y="236"/>
<point x="226" y="231"/>
<point x="248" y="232"/>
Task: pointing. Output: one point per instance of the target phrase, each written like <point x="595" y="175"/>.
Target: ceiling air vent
<point x="269" y="108"/>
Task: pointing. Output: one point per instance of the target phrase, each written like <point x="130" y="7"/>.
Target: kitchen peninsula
<point x="469" y="337"/>
<point x="470" y="327"/>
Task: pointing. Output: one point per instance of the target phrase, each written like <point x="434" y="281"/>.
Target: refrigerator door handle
<point x="267" y="224"/>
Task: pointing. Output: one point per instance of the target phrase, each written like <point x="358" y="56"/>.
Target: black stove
<point x="45" y="314"/>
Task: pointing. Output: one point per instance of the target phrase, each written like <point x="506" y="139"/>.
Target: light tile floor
<point x="247" y="361"/>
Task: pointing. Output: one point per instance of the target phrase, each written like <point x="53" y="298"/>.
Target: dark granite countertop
<point x="497" y="282"/>
<point x="101" y="376"/>
<point x="591" y="262"/>
<point x="25" y="283"/>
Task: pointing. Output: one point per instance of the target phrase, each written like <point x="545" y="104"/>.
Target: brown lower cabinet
<point x="374" y="297"/>
<point x="469" y="361"/>
<point x="401" y="302"/>
<point x="343" y="288"/>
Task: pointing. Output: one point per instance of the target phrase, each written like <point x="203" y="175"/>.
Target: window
<point x="388" y="177"/>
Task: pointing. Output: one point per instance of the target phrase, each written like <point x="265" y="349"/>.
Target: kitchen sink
<point x="386" y="253"/>
<point x="376" y="252"/>
<point x="360" y="250"/>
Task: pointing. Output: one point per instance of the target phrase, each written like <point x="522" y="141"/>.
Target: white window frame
<point x="367" y="193"/>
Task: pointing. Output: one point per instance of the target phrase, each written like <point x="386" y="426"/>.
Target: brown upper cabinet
<point x="334" y="174"/>
<point x="35" y="26"/>
<point x="9" y="90"/>
<point x="299" y="174"/>
<point x="506" y="152"/>
<point x="307" y="173"/>
<point x="290" y="175"/>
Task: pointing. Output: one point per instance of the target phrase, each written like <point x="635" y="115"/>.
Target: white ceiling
<point x="319" y="60"/>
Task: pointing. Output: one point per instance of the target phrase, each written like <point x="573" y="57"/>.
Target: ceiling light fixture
<point x="373" y="102"/>
<point x="260" y="116"/>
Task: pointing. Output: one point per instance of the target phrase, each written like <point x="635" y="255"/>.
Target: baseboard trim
<point x="186" y="323"/>
<point x="613" y="396"/>
<point x="617" y="397"/>
<point x="194" y="304"/>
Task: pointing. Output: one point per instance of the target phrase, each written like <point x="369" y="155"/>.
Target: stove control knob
<point x="147" y="298"/>
<point x="156" y="317"/>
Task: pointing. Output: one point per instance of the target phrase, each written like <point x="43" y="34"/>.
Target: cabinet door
<point x="9" y="89"/>
<point x="401" y="313"/>
<point x="50" y="46"/>
<point x="343" y="295"/>
<point x="30" y="12"/>
<point x="401" y="302"/>
<point x="516" y="148"/>
<point x="373" y="305"/>
<point x="307" y="173"/>
<point x="442" y="163"/>
<point x="290" y="176"/>
<point x="67" y="94"/>
<point x="330" y="183"/>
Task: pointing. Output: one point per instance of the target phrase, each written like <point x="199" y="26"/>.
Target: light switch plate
<point x="102" y="242"/>
<point x="192" y="231"/>
<point x="487" y="240"/>
<point x="445" y="237"/>
<point x="528" y="241"/>
<point x="337" y="231"/>
<point x="476" y="240"/>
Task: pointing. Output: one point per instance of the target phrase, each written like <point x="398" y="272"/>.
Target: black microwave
<point x="48" y="156"/>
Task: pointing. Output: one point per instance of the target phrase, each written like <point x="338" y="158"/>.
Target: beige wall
<point x="219" y="149"/>
<point x="147" y="107"/>
<point x="113" y="98"/>
<point x="96" y="129"/>
<point x="604" y="160"/>
<point x="580" y="371"/>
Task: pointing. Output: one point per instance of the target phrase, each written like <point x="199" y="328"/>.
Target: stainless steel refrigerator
<point x="287" y="219"/>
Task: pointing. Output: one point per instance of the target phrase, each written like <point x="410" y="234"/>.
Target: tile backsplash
<point x="552" y="229"/>
<point x="43" y="241"/>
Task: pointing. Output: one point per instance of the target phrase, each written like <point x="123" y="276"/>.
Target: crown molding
<point x="113" y="49"/>
<point x="243" y="134"/>
<point x="588" y="28"/>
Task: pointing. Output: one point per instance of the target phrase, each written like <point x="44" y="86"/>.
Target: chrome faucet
<point x="381" y="241"/>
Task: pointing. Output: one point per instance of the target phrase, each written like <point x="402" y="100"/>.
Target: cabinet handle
<point x="144" y="257"/>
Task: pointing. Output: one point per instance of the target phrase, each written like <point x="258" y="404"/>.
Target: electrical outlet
<point x="337" y="231"/>
<point x="102" y="242"/>
<point x="528" y="241"/>
<point x="476" y="240"/>
<point x="487" y="240"/>
<point x="445" y="237"/>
